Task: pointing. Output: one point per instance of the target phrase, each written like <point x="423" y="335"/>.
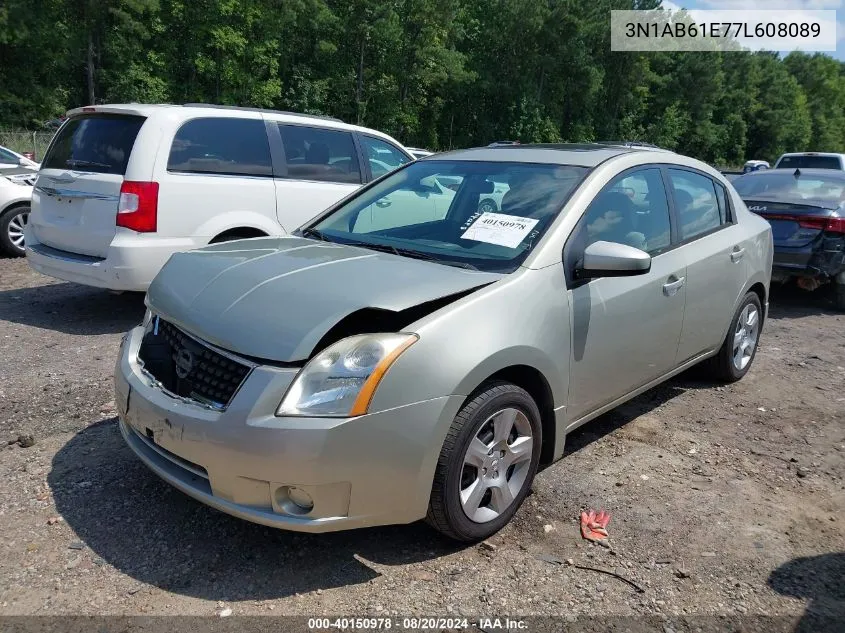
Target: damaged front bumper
<point x="305" y="474"/>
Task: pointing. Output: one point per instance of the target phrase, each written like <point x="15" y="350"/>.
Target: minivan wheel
<point x="740" y="346"/>
<point x="839" y="296"/>
<point x="487" y="463"/>
<point x="12" y="224"/>
<point x="488" y="206"/>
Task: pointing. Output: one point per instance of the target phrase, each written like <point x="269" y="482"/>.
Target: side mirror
<point x="611" y="259"/>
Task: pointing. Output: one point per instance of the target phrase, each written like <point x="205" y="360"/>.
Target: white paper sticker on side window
<point x="501" y="229"/>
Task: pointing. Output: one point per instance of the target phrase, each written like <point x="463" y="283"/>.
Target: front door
<point x="625" y="330"/>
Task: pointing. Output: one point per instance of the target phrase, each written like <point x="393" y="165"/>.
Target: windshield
<point x="482" y="215"/>
<point x="809" y="189"/>
<point x="809" y="162"/>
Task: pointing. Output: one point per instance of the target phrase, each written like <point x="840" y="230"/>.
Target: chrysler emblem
<point x="184" y="360"/>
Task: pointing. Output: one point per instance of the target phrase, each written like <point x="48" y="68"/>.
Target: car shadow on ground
<point x="788" y="301"/>
<point x="150" y="531"/>
<point x="820" y="580"/>
<point x="72" y="308"/>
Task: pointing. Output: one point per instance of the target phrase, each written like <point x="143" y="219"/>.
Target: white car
<point x="10" y="159"/>
<point x="811" y="160"/>
<point x="123" y="187"/>
<point x="755" y="165"/>
<point x="15" y="194"/>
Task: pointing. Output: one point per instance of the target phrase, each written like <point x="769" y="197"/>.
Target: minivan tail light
<point x="138" y="206"/>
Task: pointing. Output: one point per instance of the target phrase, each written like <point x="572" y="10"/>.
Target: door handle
<point x="737" y="254"/>
<point x="671" y="288"/>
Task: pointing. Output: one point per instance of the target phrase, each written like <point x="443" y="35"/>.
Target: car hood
<point x="275" y="298"/>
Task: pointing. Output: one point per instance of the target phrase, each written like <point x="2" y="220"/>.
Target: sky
<point x="794" y="5"/>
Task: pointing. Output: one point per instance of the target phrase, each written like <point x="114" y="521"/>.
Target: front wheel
<point x="12" y="224"/>
<point x="487" y="463"/>
<point x="740" y="346"/>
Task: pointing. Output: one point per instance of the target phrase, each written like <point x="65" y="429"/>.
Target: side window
<point x="696" y="203"/>
<point x="631" y="210"/>
<point x="221" y="145"/>
<point x="381" y="155"/>
<point x="314" y="153"/>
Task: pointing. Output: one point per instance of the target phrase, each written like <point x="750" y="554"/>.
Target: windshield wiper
<point x="312" y="232"/>
<point x="86" y="163"/>
<point x="407" y="252"/>
<point x="431" y="258"/>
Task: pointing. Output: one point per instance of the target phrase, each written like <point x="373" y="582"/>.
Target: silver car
<point x="406" y="355"/>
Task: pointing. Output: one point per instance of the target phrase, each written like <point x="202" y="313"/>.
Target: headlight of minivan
<point x="341" y="380"/>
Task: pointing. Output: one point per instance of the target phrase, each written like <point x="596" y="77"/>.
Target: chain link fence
<point x="31" y="144"/>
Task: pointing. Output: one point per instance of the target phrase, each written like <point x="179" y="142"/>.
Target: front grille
<point x="189" y="368"/>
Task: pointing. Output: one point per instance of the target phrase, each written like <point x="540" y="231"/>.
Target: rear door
<point x="714" y="248"/>
<point x="317" y="167"/>
<point x="219" y="176"/>
<point x="74" y="204"/>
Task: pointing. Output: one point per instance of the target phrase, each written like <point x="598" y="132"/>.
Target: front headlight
<point x="341" y="380"/>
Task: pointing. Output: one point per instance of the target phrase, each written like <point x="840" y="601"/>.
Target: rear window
<point x="100" y="143"/>
<point x="218" y="145"/>
<point x="809" y="162"/>
<point x="819" y="189"/>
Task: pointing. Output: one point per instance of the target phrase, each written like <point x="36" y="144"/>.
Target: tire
<point x="500" y="486"/>
<point x="12" y="222"/>
<point x="728" y="365"/>
<point x="488" y="205"/>
<point x="231" y="237"/>
<point x="839" y="296"/>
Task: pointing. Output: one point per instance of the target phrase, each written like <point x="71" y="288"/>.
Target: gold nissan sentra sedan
<point x="409" y="355"/>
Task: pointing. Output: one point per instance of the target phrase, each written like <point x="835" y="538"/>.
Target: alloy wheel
<point x="16" y="228"/>
<point x="496" y="465"/>
<point x="745" y="336"/>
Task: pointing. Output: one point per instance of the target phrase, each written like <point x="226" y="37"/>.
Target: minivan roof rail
<point x="249" y="109"/>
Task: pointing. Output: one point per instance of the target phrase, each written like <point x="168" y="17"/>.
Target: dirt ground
<point x="725" y="500"/>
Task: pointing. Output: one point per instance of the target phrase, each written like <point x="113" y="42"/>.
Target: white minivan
<point x="123" y="187"/>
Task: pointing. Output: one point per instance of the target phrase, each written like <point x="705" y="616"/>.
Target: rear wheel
<point x="839" y="296"/>
<point x="12" y="224"/>
<point x="231" y="236"/>
<point x="487" y="463"/>
<point x="740" y="346"/>
<point x="488" y="206"/>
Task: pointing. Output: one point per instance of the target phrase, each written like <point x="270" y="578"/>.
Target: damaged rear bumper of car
<point x="823" y="261"/>
<point x="297" y="473"/>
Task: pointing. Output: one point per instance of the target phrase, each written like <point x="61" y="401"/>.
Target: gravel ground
<point x="724" y="500"/>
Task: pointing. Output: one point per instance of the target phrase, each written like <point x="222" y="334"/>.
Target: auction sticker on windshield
<point x="501" y="229"/>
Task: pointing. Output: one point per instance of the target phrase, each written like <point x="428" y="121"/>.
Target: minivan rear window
<point x="100" y="143"/>
<point x="809" y="162"/>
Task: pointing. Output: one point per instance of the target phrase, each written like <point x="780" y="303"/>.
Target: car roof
<point x="578" y="154"/>
<point x="835" y="154"/>
<point x="192" y="110"/>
